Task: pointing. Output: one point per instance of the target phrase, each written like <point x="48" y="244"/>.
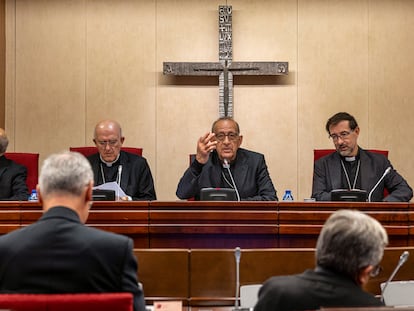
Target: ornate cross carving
<point x="225" y="68"/>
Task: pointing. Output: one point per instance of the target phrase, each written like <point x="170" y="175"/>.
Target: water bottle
<point x="33" y="195"/>
<point x="288" y="196"/>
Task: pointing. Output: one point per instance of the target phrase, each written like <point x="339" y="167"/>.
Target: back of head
<point x="4" y="141"/>
<point x="65" y="173"/>
<point x="350" y="241"/>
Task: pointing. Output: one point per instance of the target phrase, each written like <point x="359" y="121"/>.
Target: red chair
<point x="31" y="162"/>
<point x="87" y="151"/>
<point x="67" y="302"/>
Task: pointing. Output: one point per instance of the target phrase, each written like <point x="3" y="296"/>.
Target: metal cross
<point x="225" y="68"/>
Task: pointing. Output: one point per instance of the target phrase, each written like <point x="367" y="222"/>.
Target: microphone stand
<point x="237" y="255"/>
<point x="376" y="185"/>
<point x="403" y="259"/>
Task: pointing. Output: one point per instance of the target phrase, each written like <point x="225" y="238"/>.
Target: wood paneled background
<point x="70" y="63"/>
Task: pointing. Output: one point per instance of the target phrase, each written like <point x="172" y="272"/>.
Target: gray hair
<point x="4" y="141"/>
<point x="65" y="173"/>
<point x="350" y="241"/>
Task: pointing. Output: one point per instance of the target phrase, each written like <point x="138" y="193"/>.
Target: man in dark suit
<point x="131" y="172"/>
<point x="58" y="253"/>
<point x="12" y="175"/>
<point x="352" y="167"/>
<point x="349" y="248"/>
<point x="218" y="150"/>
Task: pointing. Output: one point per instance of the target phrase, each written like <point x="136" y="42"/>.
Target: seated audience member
<point x="221" y="145"/>
<point x="58" y="253"/>
<point x="352" y="167"/>
<point x="131" y="172"/>
<point x="12" y="175"/>
<point x="348" y="251"/>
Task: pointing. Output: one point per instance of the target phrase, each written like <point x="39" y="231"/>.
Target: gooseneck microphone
<point x="378" y="182"/>
<point x="237" y="255"/>
<point x="403" y="259"/>
<point x="226" y="165"/>
<point x="118" y="181"/>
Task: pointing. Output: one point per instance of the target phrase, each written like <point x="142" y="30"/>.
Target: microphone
<point x="119" y="178"/>
<point x="226" y="165"/>
<point x="237" y="255"/>
<point x="376" y="185"/>
<point x="403" y="258"/>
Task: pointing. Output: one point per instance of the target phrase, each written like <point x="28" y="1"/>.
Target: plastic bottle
<point x="288" y="196"/>
<point x="33" y="195"/>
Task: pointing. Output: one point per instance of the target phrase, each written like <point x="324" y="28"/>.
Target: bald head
<point x="108" y="139"/>
<point x="4" y="141"/>
<point x="108" y="126"/>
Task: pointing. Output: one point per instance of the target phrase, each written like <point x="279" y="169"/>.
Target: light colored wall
<point x="72" y="63"/>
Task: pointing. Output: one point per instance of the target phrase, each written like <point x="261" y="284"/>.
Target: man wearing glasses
<point x="349" y="249"/>
<point x="352" y="167"/>
<point x="131" y="172"/>
<point x="220" y="163"/>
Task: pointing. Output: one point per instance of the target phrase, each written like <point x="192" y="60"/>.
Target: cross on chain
<point x="225" y="68"/>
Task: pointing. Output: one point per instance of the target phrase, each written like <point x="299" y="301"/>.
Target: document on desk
<point x="112" y="186"/>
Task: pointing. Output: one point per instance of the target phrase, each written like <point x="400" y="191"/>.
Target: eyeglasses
<point x="375" y="271"/>
<point x="103" y="143"/>
<point x="222" y="136"/>
<point x="343" y="135"/>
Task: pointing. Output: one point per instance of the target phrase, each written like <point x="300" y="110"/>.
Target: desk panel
<point x="212" y="272"/>
<point x="191" y="224"/>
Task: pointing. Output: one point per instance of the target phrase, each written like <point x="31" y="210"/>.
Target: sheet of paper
<point x="112" y="186"/>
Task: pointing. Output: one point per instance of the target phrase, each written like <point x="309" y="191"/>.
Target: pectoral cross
<point x="225" y="68"/>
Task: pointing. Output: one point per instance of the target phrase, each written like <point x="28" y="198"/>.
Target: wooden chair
<point x="67" y="302"/>
<point x="31" y="162"/>
<point x="87" y="151"/>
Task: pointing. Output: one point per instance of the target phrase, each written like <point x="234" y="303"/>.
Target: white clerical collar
<point x="350" y="159"/>
<point x="109" y="164"/>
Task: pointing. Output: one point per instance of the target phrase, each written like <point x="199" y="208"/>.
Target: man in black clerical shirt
<point x="131" y="172"/>
<point x="12" y="175"/>
<point x="219" y="152"/>
<point x="352" y="167"/>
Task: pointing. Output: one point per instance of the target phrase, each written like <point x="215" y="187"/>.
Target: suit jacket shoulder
<point x="12" y="180"/>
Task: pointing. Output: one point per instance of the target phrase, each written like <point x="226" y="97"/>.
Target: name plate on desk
<point x="167" y="306"/>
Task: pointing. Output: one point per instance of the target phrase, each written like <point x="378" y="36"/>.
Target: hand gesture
<point x="205" y="145"/>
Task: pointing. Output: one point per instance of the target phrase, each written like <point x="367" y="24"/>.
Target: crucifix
<point x="225" y="68"/>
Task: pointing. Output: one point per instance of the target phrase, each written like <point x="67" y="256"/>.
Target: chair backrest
<point x="67" y="302"/>
<point x="31" y="162"/>
<point x="319" y="153"/>
<point x="87" y="151"/>
<point x="249" y="295"/>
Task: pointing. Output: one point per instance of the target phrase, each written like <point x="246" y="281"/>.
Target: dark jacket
<point x="59" y="254"/>
<point x="249" y="171"/>
<point x="328" y="171"/>
<point x="12" y="181"/>
<point x="136" y="177"/>
<point x="310" y="291"/>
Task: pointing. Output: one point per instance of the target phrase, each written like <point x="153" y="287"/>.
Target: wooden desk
<point x="210" y="276"/>
<point x="189" y="224"/>
<point x="213" y="224"/>
<point x="301" y="222"/>
<point x="196" y="263"/>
